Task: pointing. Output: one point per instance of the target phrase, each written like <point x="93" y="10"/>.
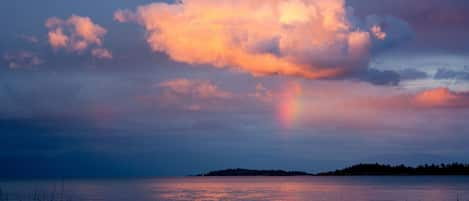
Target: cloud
<point x="58" y="39"/>
<point x="421" y="13"/>
<point x="437" y="24"/>
<point x="379" y="77"/>
<point x="420" y="101"/>
<point x="124" y="16"/>
<point x="186" y="94"/>
<point x="200" y="89"/>
<point x="320" y="104"/>
<point x="378" y="33"/>
<point x="388" y="32"/>
<point x="442" y="98"/>
<point x="101" y="53"/>
<point x="312" y="39"/>
<point x="412" y="74"/>
<point x="313" y="103"/>
<point x="451" y="74"/>
<point x="22" y="59"/>
<point x="77" y="34"/>
<point x="262" y="93"/>
<point x="355" y="105"/>
<point x="358" y="104"/>
<point x="29" y="38"/>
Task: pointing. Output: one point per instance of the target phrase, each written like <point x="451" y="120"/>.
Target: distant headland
<point x="356" y="170"/>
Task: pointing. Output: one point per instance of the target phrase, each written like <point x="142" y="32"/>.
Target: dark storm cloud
<point x="30" y="146"/>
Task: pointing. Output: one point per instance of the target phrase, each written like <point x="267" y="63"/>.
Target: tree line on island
<point x="356" y="170"/>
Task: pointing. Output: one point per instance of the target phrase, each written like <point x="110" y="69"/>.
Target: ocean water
<point x="388" y="188"/>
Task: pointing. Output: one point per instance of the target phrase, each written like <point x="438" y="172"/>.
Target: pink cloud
<point x="442" y="98"/>
<point x="87" y="30"/>
<point x="124" y="16"/>
<point x="200" y="89"/>
<point x="76" y="34"/>
<point x="311" y="39"/>
<point x="58" y="39"/>
<point x="101" y="53"/>
<point x="426" y="100"/>
<point x="190" y="95"/>
<point x="378" y="32"/>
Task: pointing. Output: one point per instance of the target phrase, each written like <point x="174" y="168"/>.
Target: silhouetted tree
<point x="377" y="169"/>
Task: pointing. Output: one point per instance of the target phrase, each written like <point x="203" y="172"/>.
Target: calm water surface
<point x="246" y="189"/>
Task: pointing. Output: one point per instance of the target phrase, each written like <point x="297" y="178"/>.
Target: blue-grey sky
<point x="145" y="88"/>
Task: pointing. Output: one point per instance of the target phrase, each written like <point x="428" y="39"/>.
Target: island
<point x="356" y="170"/>
<point x="248" y="172"/>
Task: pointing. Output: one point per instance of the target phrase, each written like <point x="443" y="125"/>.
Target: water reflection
<point x="254" y="189"/>
<point x="308" y="188"/>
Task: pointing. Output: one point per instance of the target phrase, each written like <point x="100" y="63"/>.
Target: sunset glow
<point x="143" y="88"/>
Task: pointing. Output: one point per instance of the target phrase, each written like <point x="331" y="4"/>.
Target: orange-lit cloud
<point x="442" y="97"/>
<point x="57" y="38"/>
<point x="77" y="34"/>
<point x="306" y="38"/>
<point x="378" y="32"/>
<point x="437" y="98"/>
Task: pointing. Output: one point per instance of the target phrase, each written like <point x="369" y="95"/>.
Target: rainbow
<point x="290" y="107"/>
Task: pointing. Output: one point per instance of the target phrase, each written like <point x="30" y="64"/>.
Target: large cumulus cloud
<point x="306" y="38"/>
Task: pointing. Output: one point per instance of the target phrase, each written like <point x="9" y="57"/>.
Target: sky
<point x="171" y="88"/>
